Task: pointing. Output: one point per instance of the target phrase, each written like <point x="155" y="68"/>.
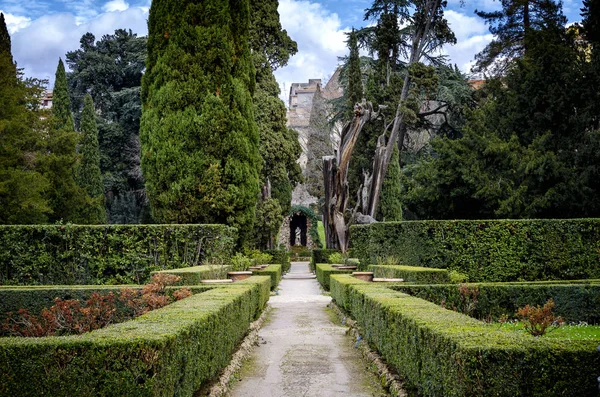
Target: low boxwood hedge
<point x="193" y="275"/>
<point x="320" y="256"/>
<point x="575" y="302"/>
<point x="324" y="271"/>
<point x="487" y="250"/>
<point x="415" y="274"/>
<point x="106" y="254"/>
<point x="273" y="271"/>
<point x="167" y="352"/>
<point x="282" y="257"/>
<point x="445" y="353"/>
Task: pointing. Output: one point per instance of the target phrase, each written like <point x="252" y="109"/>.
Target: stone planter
<point x="388" y="280"/>
<point x="365" y="276"/>
<point x="346" y="267"/>
<point x="336" y="265"/>
<point x="255" y="268"/>
<point x="239" y="276"/>
<point x="220" y="281"/>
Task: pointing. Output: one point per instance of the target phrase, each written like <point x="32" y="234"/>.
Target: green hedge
<point x="282" y="257"/>
<point x="273" y="271"/>
<point x="320" y="256"/>
<point x="324" y="272"/>
<point x="445" y="353"/>
<point x="193" y="275"/>
<point x="415" y="274"/>
<point x="488" y="250"/>
<point x="574" y="302"/>
<point x="167" y="352"/>
<point x="106" y="254"/>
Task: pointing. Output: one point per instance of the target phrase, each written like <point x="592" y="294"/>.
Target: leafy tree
<point x="65" y="197"/>
<point x="199" y="139"/>
<point x="110" y="70"/>
<point x="88" y="172"/>
<point x="22" y="187"/>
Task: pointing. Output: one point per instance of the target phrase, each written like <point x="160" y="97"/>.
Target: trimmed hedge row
<point x="166" y="352"/>
<point x="488" y="250"/>
<point x="444" y="353"/>
<point x="320" y="256"/>
<point x="574" y="302"/>
<point x="273" y="271"/>
<point x="193" y="275"/>
<point x="415" y="274"/>
<point x="324" y="272"/>
<point x="282" y="257"/>
<point x="106" y="254"/>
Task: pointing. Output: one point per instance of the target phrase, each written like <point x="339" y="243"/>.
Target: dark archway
<point x="298" y="221"/>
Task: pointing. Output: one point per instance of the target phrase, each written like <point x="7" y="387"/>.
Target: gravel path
<point x="302" y="352"/>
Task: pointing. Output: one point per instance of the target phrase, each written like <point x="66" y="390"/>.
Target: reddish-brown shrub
<point x="537" y="320"/>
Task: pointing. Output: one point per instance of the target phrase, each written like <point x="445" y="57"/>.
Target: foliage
<point x="354" y="92"/>
<point x="153" y="295"/>
<point x="576" y="301"/>
<point x="336" y="257"/>
<point x="110" y="70"/>
<point x="240" y="262"/>
<point x="538" y="320"/>
<point x="259" y="258"/>
<point x="170" y="351"/>
<point x="268" y="222"/>
<point x="282" y="257"/>
<point x="199" y="138"/>
<point x="23" y="188"/>
<point x="487" y="250"/>
<point x="325" y="271"/>
<point x="70" y="254"/>
<point x="88" y="171"/>
<point x="390" y="204"/>
<point x="273" y="271"/>
<point x="444" y="353"/>
<point x="413" y="274"/>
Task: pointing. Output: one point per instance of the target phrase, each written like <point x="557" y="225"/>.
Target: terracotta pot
<point x="365" y="276"/>
<point x="219" y="281"/>
<point x="238" y="276"/>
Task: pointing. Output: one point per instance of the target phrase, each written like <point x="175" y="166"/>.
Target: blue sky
<point x="44" y="30"/>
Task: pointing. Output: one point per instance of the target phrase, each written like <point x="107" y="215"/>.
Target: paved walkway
<point x="303" y="353"/>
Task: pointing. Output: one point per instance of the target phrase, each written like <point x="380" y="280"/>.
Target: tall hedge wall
<point x="488" y="250"/>
<point x="445" y="353"/>
<point x="575" y="302"/>
<point x="106" y="254"/>
<point x="167" y="352"/>
<point x="282" y="257"/>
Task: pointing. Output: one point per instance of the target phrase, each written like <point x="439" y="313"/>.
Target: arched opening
<point x="298" y="229"/>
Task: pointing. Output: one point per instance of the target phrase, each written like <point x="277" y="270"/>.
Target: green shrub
<point x="336" y="257"/>
<point x="320" y="256"/>
<point x="193" y="275"/>
<point x="324" y="272"/>
<point x="273" y="271"/>
<point x="415" y="274"/>
<point x="488" y="250"/>
<point x="282" y="257"/>
<point x="106" y="254"/>
<point x="575" y="301"/>
<point x="444" y="353"/>
<point x="166" y="352"/>
<point x="240" y="262"/>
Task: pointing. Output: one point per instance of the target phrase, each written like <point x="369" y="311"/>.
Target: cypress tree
<point x="390" y="204"/>
<point x="88" y="172"/>
<point x="355" y="88"/>
<point x="22" y="187"/>
<point x="66" y="199"/>
<point x="199" y="139"/>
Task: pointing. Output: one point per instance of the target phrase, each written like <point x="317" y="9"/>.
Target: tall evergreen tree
<point x="199" y="139"/>
<point x="22" y="187"/>
<point x="66" y="198"/>
<point x="354" y="92"/>
<point x="88" y="172"/>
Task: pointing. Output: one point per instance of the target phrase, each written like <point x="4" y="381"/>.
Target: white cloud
<point x="37" y="46"/>
<point x="115" y="5"/>
<point x="15" y="22"/>
<point x="320" y="37"/>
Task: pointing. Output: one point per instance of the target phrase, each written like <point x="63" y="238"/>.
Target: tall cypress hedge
<point x="199" y="140"/>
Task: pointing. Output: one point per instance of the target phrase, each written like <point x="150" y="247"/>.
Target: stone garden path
<point x="301" y="351"/>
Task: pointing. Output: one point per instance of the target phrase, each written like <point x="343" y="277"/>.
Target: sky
<point x="44" y="30"/>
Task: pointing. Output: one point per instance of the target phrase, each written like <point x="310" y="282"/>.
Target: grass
<point x="571" y="332"/>
<point x="321" y="230"/>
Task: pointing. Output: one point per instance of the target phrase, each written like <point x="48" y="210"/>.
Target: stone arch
<point x="306" y="220"/>
<point x="298" y="229"/>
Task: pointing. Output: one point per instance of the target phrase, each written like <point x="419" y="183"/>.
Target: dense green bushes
<point x="320" y="256"/>
<point x="166" y="352"/>
<point x="488" y="250"/>
<point x="282" y="257"/>
<point x="574" y="302"/>
<point x="273" y="271"/>
<point x="415" y="274"/>
<point x="324" y="272"/>
<point x="77" y="254"/>
<point x="444" y="353"/>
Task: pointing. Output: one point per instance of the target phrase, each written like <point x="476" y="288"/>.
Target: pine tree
<point x="66" y="198"/>
<point x="22" y="187"/>
<point x="88" y="172"/>
<point x="199" y="139"/>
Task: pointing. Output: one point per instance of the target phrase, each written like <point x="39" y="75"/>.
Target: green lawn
<point x="574" y="332"/>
